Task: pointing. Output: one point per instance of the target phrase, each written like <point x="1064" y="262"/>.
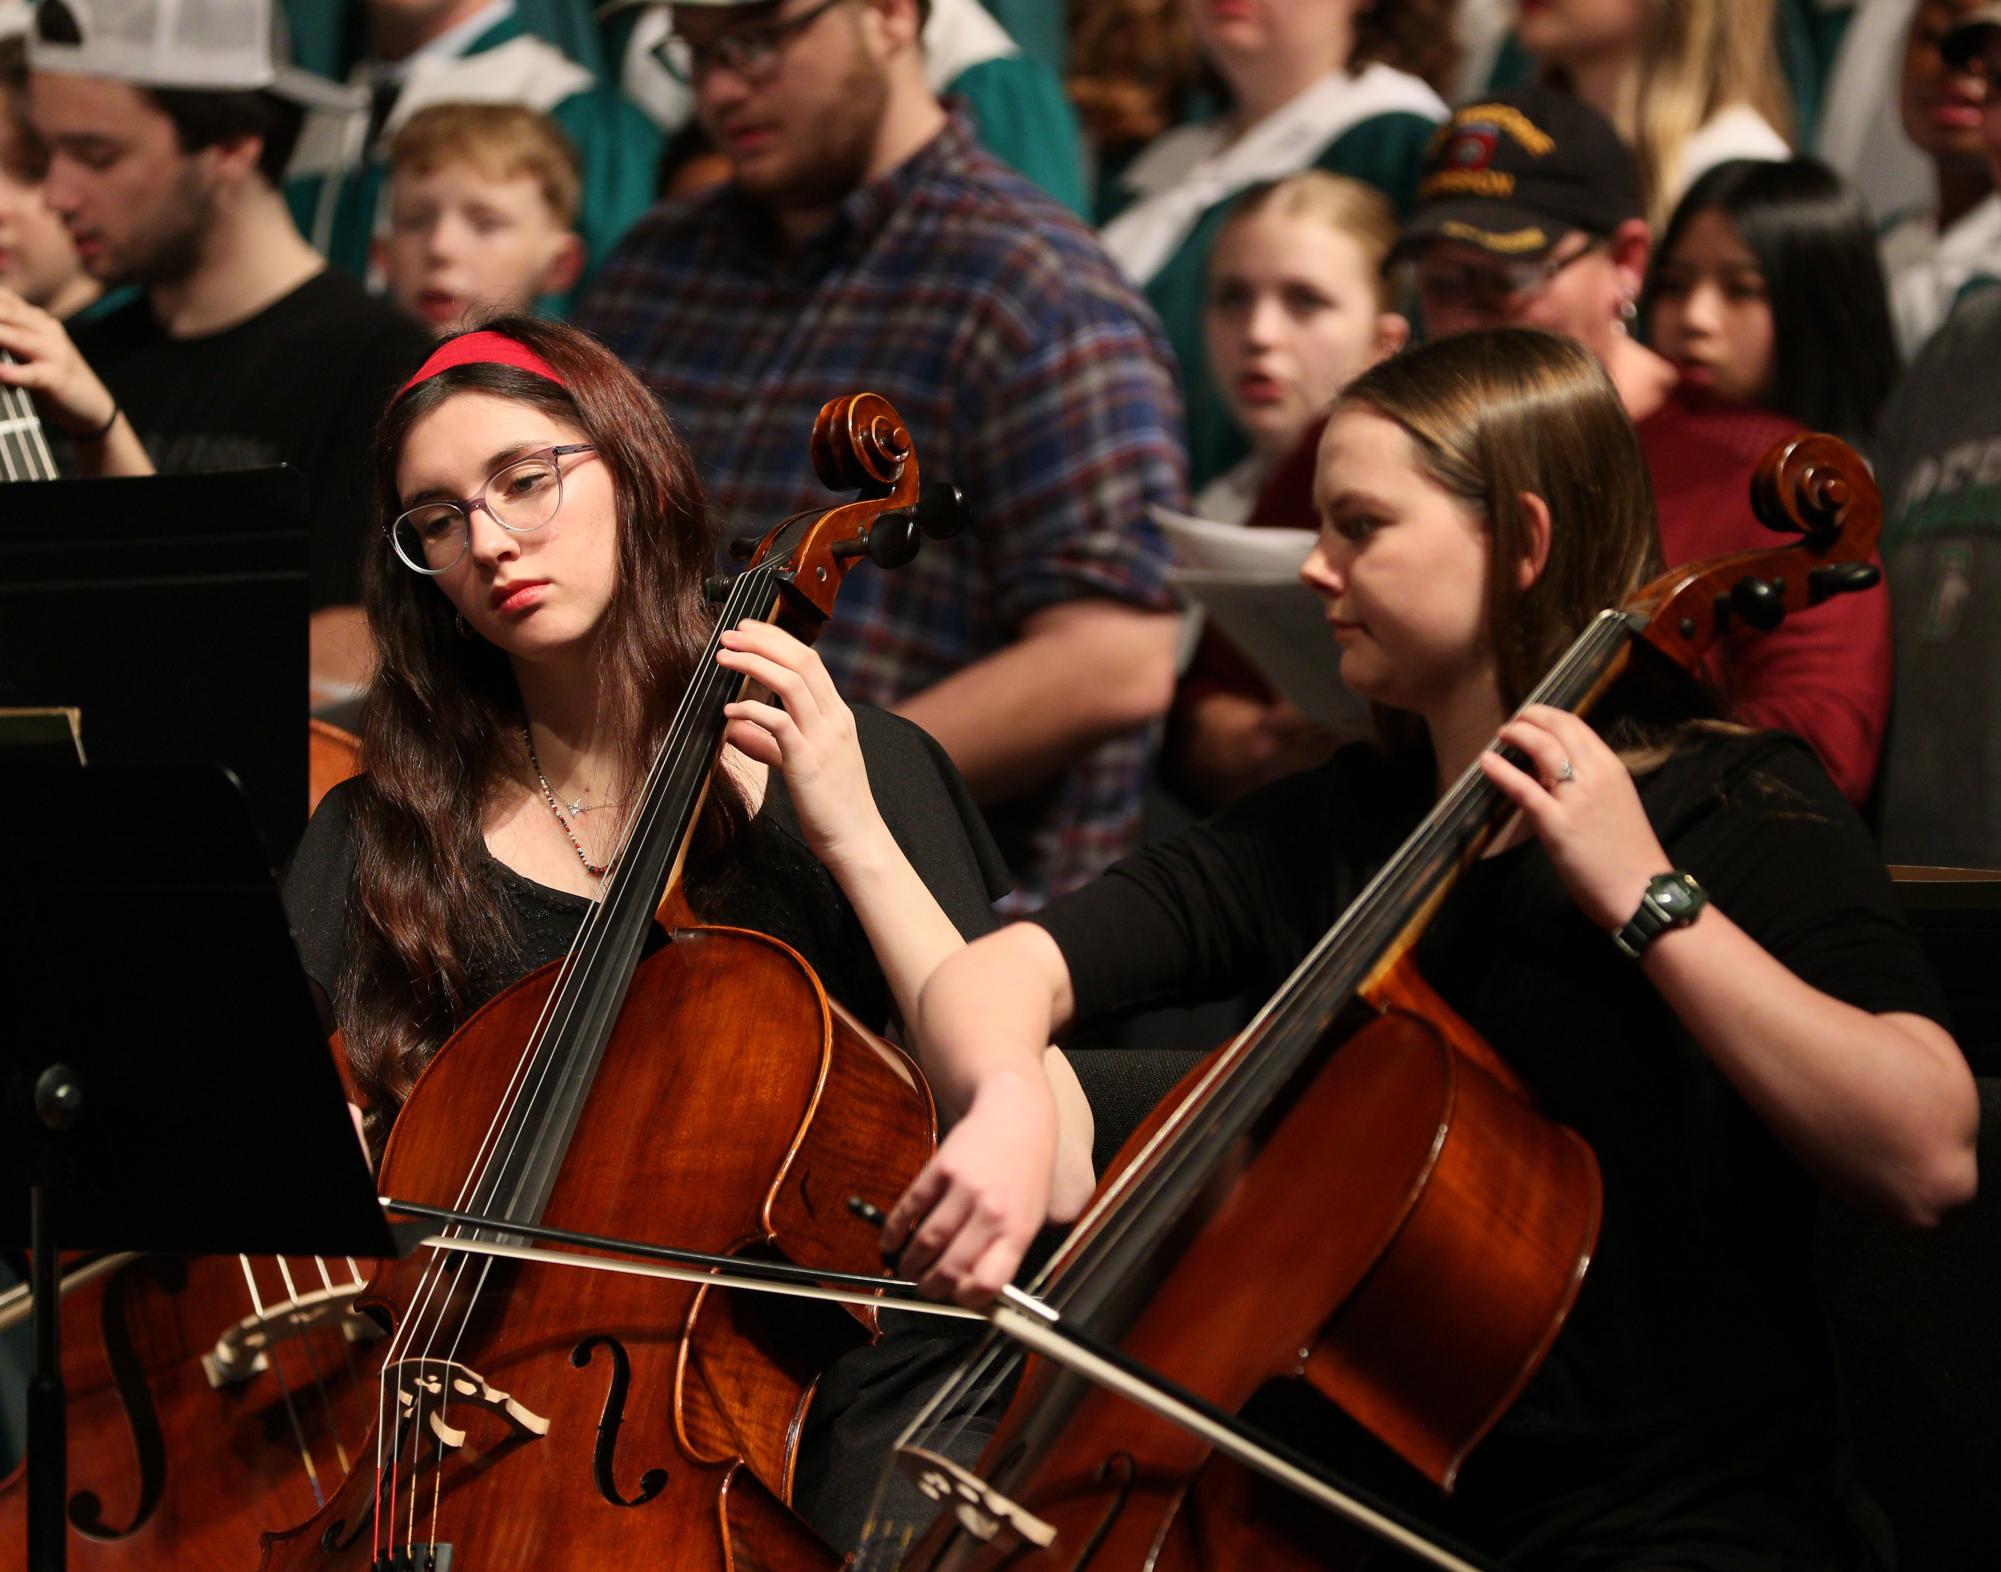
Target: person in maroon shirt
<point x="1529" y="214"/>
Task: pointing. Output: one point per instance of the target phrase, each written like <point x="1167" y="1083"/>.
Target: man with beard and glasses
<point x="865" y="239"/>
<point x="167" y="130"/>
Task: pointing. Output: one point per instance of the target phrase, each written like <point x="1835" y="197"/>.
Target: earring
<point x="1629" y="313"/>
<point x="464" y="627"/>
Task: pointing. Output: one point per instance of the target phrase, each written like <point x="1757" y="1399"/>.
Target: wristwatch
<point x="1673" y="900"/>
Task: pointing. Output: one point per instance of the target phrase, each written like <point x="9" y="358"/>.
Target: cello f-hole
<point x="128" y="1375"/>
<point x="1119" y="1464"/>
<point x="654" y="1480"/>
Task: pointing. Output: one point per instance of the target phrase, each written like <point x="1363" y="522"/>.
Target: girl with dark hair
<point x="535" y="602"/>
<point x="1766" y="289"/>
<point x="1481" y="498"/>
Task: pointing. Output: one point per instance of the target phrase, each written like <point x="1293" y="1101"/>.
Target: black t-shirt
<point x="1687" y="1405"/>
<point x="302" y="383"/>
<point x="772" y="882"/>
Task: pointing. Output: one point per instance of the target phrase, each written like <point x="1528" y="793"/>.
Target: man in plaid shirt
<point x="867" y="241"/>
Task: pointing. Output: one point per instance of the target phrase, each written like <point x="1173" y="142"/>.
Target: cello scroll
<point x="1814" y="486"/>
<point x="859" y="443"/>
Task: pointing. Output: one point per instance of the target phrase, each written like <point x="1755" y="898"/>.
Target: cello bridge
<point x="244" y="1350"/>
<point x="981" y="1510"/>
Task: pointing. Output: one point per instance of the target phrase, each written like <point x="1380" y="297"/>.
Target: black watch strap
<point x="1672" y="900"/>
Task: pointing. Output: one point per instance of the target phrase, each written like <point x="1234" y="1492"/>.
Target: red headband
<point x="484" y="348"/>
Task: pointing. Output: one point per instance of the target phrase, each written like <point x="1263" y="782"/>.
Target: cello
<point x="1460" y="1223"/>
<point x="529" y="1415"/>
<point x="205" y="1394"/>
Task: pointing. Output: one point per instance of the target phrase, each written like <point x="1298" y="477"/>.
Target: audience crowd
<point x="227" y="232"/>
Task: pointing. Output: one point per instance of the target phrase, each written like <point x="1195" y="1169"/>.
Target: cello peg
<point x="1760" y="602"/>
<point x="1841" y="578"/>
<point x="941" y="509"/>
<point x="893" y="539"/>
<point x="716" y="588"/>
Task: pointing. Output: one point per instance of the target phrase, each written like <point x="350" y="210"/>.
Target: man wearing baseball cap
<point x="168" y="129"/>
<point x="1938" y="460"/>
<point x="1529" y="214"/>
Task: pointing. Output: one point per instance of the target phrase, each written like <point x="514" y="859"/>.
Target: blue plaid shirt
<point x="1029" y="374"/>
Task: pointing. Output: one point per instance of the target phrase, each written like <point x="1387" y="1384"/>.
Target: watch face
<point x="1675" y="896"/>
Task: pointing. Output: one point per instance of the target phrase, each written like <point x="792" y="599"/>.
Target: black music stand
<point x="171" y="610"/>
<point x="164" y="1083"/>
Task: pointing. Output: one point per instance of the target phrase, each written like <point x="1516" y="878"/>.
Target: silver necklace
<point x="595" y="870"/>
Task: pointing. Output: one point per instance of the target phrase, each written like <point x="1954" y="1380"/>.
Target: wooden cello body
<point x="735" y="1109"/>
<point x="205" y="1393"/>
<point x="1353" y="1207"/>
<point x="696" y="1086"/>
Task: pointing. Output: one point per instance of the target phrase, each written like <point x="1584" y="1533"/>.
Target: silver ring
<point x="1564" y="772"/>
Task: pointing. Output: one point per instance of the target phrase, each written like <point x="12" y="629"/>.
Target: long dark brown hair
<point x="1504" y="412"/>
<point x="441" y="720"/>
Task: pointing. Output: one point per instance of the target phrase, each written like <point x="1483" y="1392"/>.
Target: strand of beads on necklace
<point x="595" y="870"/>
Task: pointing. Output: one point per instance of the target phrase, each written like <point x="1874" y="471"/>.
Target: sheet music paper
<point x="1247" y="580"/>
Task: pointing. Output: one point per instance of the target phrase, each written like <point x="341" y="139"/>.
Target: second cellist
<point x="1686" y="949"/>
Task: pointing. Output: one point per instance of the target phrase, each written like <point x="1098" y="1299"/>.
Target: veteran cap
<point x="1514" y="172"/>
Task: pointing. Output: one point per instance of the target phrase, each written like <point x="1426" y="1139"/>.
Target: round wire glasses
<point x="520" y="497"/>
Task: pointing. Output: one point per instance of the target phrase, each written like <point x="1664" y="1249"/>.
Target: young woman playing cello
<point x="536" y="605"/>
<point x="1481" y="499"/>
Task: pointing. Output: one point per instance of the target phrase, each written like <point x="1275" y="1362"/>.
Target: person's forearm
<point x="992" y="1008"/>
<point x="1882" y="1107"/>
<point x="912" y="937"/>
<point x="1079" y="674"/>
<point x="906" y="927"/>
<point x="120" y="452"/>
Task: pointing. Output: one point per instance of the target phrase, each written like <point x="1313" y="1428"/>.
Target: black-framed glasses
<point x="520" y="497"/>
<point x="1496" y="284"/>
<point x="750" y="52"/>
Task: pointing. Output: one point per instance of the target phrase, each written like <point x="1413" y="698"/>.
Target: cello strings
<point x="10" y="424"/>
<point x="561" y="999"/>
<point x="564" y="995"/>
<point x="271" y="1363"/>
<point x="42" y="447"/>
<point x="298" y="1430"/>
<point x="488" y="1146"/>
<point x="21" y="434"/>
<point x="295" y="1306"/>
<point x="695" y="711"/>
